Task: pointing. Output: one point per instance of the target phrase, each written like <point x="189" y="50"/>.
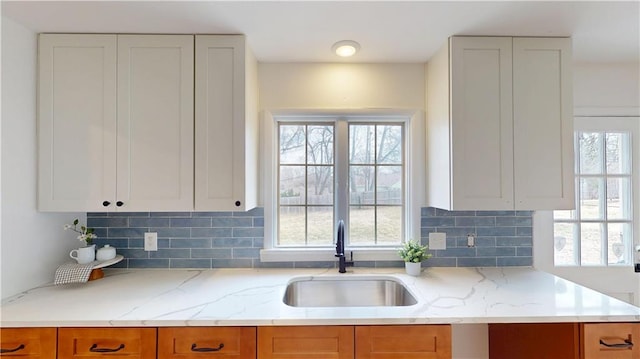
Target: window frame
<point x="606" y="125"/>
<point x="414" y="181"/>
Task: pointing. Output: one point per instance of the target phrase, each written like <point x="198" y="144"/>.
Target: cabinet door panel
<point x="314" y="342"/>
<point x="30" y="343"/>
<point x="623" y="340"/>
<point x="226" y="124"/>
<point x="213" y="342"/>
<point x="481" y="120"/>
<point x="76" y="122"/>
<point x="543" y="123"/>
<point x="155" y="122"/>
<point x="127" y="343"/>
<point x="403" y="342"/>
<point x="534" y="341"/>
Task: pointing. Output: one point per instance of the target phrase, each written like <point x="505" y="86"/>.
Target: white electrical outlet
<point x="437" y="240"/>
<point x="471" y="240"/>
<point x="151" y="241"/>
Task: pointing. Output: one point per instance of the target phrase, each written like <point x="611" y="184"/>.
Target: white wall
<point x="341" y="86"/>
<point x="32" y="244"/>
<point x="609" y="89"/>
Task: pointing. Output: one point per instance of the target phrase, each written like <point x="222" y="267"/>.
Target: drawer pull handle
<point x="628" y="344"/>
<point x="19" y="347"/>
<point x="94" y="348"/>
<point x="194" y="348"/>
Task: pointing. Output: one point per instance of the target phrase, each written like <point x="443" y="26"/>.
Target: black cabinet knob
<point x="119" y="203"/>
<point x="238" y="203"/>
<point x="106" y="203"/>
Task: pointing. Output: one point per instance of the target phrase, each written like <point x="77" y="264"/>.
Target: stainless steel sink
<point x="347" y="292"/>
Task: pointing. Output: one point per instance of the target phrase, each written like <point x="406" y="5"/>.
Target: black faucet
<point x="342" y="261"/>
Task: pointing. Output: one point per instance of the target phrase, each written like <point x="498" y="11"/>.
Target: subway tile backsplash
<point x="234" y="239"/>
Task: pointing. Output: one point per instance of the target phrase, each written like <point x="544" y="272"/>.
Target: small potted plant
<point x="413" y="253"/>
<point x="86" y="253"/>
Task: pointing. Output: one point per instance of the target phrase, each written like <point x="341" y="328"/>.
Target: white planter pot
<point x="413" y="268"/>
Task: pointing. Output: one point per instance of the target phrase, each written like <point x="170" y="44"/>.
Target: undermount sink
<point x="347" y="292"/>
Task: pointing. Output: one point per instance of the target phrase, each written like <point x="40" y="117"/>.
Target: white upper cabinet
<point x="155" y="122"/>
<point x="499" y="132"/>
<point x="115" y="122"/>
<point x="226" y="121"/>
<point x="543" y="123"/>
<point x="76" y="122"/>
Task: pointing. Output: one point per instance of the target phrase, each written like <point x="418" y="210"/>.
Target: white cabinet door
<point x="481" y="122"/>
<point x="155" y="123"/>
<point x="543" y="123"/>
<point x="76" y="122"/>
<point x="226" y="124"/>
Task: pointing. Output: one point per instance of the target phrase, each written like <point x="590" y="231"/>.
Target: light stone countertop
<point x="248" y="297"/>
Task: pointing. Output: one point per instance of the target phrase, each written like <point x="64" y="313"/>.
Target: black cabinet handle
<point x="628" y="344"/>
<point x="194" y="348"/>
<point x="19" y="347"/>
<point x="94" y="348"/>
<point x="119" y="203"/>
<point x="238" y="203"/>
<point x="106" y="203"/>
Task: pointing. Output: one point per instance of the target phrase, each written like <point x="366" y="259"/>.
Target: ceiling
<point x="388" y="31"/>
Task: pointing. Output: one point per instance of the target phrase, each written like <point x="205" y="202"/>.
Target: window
<point x="347" y="168"/>
<point x="599" y="232"/>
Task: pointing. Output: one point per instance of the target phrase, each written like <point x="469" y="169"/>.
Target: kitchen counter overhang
<point x="253" y="297"/>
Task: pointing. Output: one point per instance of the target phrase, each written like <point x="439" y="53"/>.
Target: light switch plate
<point x="437" y="240"/>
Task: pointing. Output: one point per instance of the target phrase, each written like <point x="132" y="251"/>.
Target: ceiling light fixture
<point x="345" y="48"/>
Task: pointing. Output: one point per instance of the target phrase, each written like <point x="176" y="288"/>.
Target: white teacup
<point x="84" y="255"/>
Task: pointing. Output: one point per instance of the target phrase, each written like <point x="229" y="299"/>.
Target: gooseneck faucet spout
<point x="342" y="261"/>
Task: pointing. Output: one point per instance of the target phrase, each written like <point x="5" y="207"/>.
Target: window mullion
<point x="341" y="173"/>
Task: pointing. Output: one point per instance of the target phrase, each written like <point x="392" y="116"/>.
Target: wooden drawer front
<point x="314" y="342"/>
<point x="403" y="342"/>
<point x="534" y="341"/>
<point x="624" y="335"/>
<point x="28" y="342"/>
<point x="107" y="342"/>
<point x="207" y="342"/>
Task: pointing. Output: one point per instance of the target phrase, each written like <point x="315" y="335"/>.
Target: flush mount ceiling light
<point x="345" y="48"/>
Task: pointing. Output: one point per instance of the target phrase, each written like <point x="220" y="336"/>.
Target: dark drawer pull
<point x="628" y="344"/>
<point x="19" y="347"/>
<point x="94" y="348"/>
<point x="119" y="203"/>
<point x="194" y="348"/>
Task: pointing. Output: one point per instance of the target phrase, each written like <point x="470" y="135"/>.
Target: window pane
<point x="362" y="229"/>
<point x="592" y="198"/>
<point x="320" y="226"/>
<point x="590" y="152"/>
<point x="361" y="144"/>
<point x="361" y="184"/>
<point x="292" y="186"/>
<point x="291" y="224"/>
<point x="592" y="236"/>
<point x="619" y="236"/>
<point x="292" y="141"/>
<point x="389" y="226"/>
<point x="389" y="144"/>
<point x="320" y="147"/>
<point x="320" y="185"/>
<point x="568" y="214"/>
<point x="564" y="243"/>
<point x="618" y="153"/>
<point x="619" y="198"/>
<point x="389" y="185"/>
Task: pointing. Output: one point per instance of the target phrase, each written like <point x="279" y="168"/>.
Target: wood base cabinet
<point x="130" y="343"/>
<point x="207" y="342"/>
<point x="565" y="340"/>
<point x="28" y="343"/>
<point x="359" y="342"/>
